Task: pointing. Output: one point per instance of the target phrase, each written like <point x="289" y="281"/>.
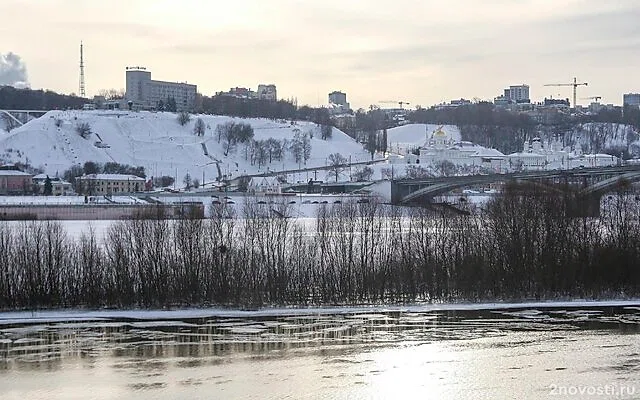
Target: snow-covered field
<point x="157" y="142"/>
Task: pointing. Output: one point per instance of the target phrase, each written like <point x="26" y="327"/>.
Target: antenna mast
<point x="82" y="90"/>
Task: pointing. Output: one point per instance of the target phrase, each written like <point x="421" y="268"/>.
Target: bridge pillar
<point x="398" y="192"/>
<point x="586" y="206"/>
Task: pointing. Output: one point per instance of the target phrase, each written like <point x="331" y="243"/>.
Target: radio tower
<point x="82" y="91"/>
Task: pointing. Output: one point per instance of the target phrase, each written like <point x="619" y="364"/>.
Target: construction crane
<point x="400" y="103"/>
<point x="594" y="98"/>
<point x="575" y="85"/>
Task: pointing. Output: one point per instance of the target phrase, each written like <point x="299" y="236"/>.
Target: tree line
<point x="27" y="99"/>
<point x="525" y="245"/>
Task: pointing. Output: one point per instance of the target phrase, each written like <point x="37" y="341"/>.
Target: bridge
<point x="21" y="117"/>
<point x="592" y="183"/>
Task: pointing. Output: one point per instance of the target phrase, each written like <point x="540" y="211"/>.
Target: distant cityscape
<point x="144" y="93"/>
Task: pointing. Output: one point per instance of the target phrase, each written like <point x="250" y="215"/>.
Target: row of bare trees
<point x="523" y="246"/>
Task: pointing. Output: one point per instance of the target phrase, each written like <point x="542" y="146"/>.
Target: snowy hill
<point x="597" y="137"/>
<point x="157" y="142"/>
<point x="412" y="136"/>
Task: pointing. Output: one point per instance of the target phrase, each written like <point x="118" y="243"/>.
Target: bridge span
<point x="21" y="117"/>
<point x="591" y="183"/>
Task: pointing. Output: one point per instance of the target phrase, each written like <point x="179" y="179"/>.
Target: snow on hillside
<point x="411" y="136"/>
<point x="596" y="137"/>
<point x="157" y="142"/>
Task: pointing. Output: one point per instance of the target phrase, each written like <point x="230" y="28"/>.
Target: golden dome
<point x="439" y="132"/>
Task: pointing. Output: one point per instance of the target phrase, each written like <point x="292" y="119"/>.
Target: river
<point x="518" y="351"/>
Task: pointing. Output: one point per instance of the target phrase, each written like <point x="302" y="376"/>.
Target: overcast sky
<point x="419" y="51"/>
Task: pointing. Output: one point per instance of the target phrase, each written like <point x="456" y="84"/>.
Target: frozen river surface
<point x="502" y="353"/>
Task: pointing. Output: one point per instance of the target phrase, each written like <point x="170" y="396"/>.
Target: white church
<point x="535" y="156"/>
<point x="440" y="147"/>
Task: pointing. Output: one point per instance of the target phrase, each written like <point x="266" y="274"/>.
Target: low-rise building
<point x="14" y="181"/>
<point x="264" y="185"/>
<point x="59" y="187"/>
<point x="108" y="184"/>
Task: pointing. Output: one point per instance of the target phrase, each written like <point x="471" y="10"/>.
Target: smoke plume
<point x="13" y="71"/>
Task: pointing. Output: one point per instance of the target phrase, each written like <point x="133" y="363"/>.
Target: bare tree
<point x="445" y="168"/>
<point x="363" y="174"/>
<point x="306" y="147"/>
<point x="188" y="182"/>
<point x="232" y="133"/>
<point x="199" y="127"/>
<point x="337" y="163"/>
<point x="416" y="172"/>
<point x="112" y="94"/>
<point x="184" y="118"/>
<point x="296" y="146"/>
<point x="326" y="131"/>
<point x="83" y="129"/>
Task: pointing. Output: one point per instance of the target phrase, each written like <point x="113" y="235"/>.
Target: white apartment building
<point x="517" y="93"/>
<point x="267" y="92"/>
<point x="146" y="93"/>
<point x="339" y="98"/>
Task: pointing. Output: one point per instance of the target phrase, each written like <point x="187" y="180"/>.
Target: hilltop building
<point x="145" y="93"/>
<point x="339" y="98"/>
<point x="264" y="92"/>
<point x="518" y="93"/>
<point x="267" y="92"/>
<point x="631" y="99"/>
<point x="514" y="94"/>
<point x="453" y="104"/>
<point x="338" y="104"/>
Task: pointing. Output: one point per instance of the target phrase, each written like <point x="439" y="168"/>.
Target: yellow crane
<point x="575" y="85"/>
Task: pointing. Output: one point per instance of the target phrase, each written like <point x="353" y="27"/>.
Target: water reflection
<point x="450" y="354"/>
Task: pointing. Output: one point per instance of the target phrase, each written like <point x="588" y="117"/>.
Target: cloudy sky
<point x="419" y="51"/>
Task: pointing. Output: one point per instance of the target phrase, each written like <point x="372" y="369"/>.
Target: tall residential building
<point x="267" y="92"/>
<point x="517" y="93"/>
<point x="631" y="99"/>
<point x="146" y="93"/>
<point x="338" y="98"/>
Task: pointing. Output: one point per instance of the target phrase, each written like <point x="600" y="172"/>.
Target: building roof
<point x="11" y="172"/>
<point x="265" y="180"/>
<point x="42" y="177"/>
<point x="537" y="155"/>
<point x="488" y="152"/>
<point x="112" y="177"/>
